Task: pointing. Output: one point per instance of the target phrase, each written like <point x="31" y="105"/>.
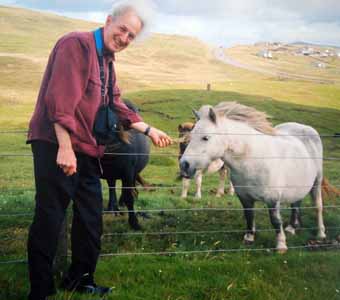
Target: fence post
<point x="60" y="262"/>
<point x="208" y="87"/>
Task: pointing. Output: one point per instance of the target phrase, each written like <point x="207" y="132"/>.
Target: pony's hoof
<point x="282" y="250"/>
<point x="144" y="215"/>
<point x="248" y="243"/>
<point x="135" y="225"/>
<point x="249" y="239"/>
<point x="290" y="229"/>
<point x="115" y="210"/>
<point x="321" y="236"/>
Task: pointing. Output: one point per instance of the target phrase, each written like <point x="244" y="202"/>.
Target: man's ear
<point x="108" y="20"/>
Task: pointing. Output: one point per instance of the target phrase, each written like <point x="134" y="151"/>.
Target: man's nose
<point x="125" y="38"/>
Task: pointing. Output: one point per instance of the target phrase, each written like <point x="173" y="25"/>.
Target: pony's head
<point x="221" y="132"/>
<point x="205" y="143"/>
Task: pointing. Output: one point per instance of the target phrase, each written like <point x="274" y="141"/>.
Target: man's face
<point x="121" y="31"/>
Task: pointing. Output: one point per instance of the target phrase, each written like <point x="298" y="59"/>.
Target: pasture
<point x="211" y="261"/>
<point x="301" y="273"/>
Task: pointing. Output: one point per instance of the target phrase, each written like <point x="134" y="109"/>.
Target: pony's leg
<point x="275" y="218"/>
<point x="295" y="218"/>
<point x="249" y="214"/>
<point x="223" y="175"/>
<point x="185" y="187"/>
<point x="198" y="181"/>
<point x="112" y="205"/>
<point x="128" y="197"/>
<point x="317" y="199"/>
<point x="231" y="190"/>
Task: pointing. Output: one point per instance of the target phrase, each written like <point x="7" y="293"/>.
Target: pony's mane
<point x="238" y="112"/>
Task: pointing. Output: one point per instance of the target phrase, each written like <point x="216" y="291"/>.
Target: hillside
<point x="159" y="62"/>
<point x="320" y="64"/>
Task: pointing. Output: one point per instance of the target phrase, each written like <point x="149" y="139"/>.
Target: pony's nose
<point x="185" y="166"/>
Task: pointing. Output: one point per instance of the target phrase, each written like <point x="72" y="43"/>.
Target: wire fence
<point x="188" y="232"/>
<point x="197" y="209"/>
<point x="324" y="135"/>
<point x="194" y="155"/>
<point x="317" y="246"/>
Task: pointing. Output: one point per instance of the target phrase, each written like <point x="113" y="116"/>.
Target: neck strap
<point x="100" y="50"/>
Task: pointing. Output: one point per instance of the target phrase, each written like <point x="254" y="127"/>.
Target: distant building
<point x="307" y="51"/>
<point x="265" y="54"/>
<point x="319" y="64"/>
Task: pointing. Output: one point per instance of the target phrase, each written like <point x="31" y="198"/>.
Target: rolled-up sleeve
<point x="125" y="115"/>
<point x="68" y="81"/>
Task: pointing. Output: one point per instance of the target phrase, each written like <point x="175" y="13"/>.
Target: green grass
<point x="170" y="73"/>
<point x="300" y="274"/>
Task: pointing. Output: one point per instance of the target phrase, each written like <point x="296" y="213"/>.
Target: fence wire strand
<point x="197" y="209"/>
<point x="190" y="252"/>
<point x="191" y="155"/>
<point x="168" y="233"/>
<point x="326" y="135"/>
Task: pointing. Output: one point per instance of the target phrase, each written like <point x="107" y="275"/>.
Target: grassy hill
<point x="160" y="62"/>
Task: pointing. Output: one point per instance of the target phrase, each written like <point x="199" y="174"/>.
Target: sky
<point x="219" y="22"/>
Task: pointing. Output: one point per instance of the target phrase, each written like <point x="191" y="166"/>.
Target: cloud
<point x="223" y="22"/>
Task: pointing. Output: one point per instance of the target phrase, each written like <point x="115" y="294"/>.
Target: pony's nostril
<point x="185" y="165"/>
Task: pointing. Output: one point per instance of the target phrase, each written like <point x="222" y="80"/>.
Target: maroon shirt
<point x="70" y="95"/>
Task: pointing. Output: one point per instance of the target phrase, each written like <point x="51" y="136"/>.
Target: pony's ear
<point x="212" y="116"/>
<point x="196" y="114"/>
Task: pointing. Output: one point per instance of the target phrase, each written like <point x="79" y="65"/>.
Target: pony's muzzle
<point x="186" y="170"/>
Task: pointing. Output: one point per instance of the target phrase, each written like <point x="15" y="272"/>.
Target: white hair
<point x="144" y="9"/>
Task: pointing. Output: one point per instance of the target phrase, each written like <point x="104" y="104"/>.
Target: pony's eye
<point x="205" y="138"/>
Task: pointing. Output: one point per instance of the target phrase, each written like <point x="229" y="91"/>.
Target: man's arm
<point x="66" y="159"/>
<point x="158" y="137"/>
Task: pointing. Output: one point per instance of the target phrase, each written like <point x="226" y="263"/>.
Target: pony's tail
<point x="329" y="191"/>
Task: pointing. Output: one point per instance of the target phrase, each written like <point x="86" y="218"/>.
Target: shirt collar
<point x="107" y="55"/>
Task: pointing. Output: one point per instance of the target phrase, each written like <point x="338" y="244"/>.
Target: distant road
<point x="221" y="56"/>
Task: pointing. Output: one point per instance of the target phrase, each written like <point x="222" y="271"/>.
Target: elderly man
<point x="66" y="154"/>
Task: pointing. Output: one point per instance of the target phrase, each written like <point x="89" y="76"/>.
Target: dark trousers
<point x="54" y="190"/>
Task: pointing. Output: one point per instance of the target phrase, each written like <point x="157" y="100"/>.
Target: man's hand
<point x="159" y="138"/>
<point x="67" y="161"/>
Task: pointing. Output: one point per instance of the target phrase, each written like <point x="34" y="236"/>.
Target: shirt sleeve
<point x="125" y="115"/>
<point x="68" y="81"/>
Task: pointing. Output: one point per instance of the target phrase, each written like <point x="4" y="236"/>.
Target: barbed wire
<point x="326" y="135"/>
<point x="216" y="251"/>
<point x="156" y="186"/>
<point x="204" y="232"/>
<point x="197" y="209"/>
<point x="235" y="186"/>
<point x="192" y="155"/>
<point x="190" y="252"/>
<point x="9" y="262"/>
<point x="167" y="233"/>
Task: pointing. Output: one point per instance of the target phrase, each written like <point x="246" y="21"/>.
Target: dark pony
<point x="129" y="158"/>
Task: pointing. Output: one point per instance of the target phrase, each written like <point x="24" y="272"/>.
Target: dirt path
<point x="220" y="55"/>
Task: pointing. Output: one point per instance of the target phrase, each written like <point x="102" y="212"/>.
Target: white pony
<point x="274" y="165"/>
<point x="217" y="165"/>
